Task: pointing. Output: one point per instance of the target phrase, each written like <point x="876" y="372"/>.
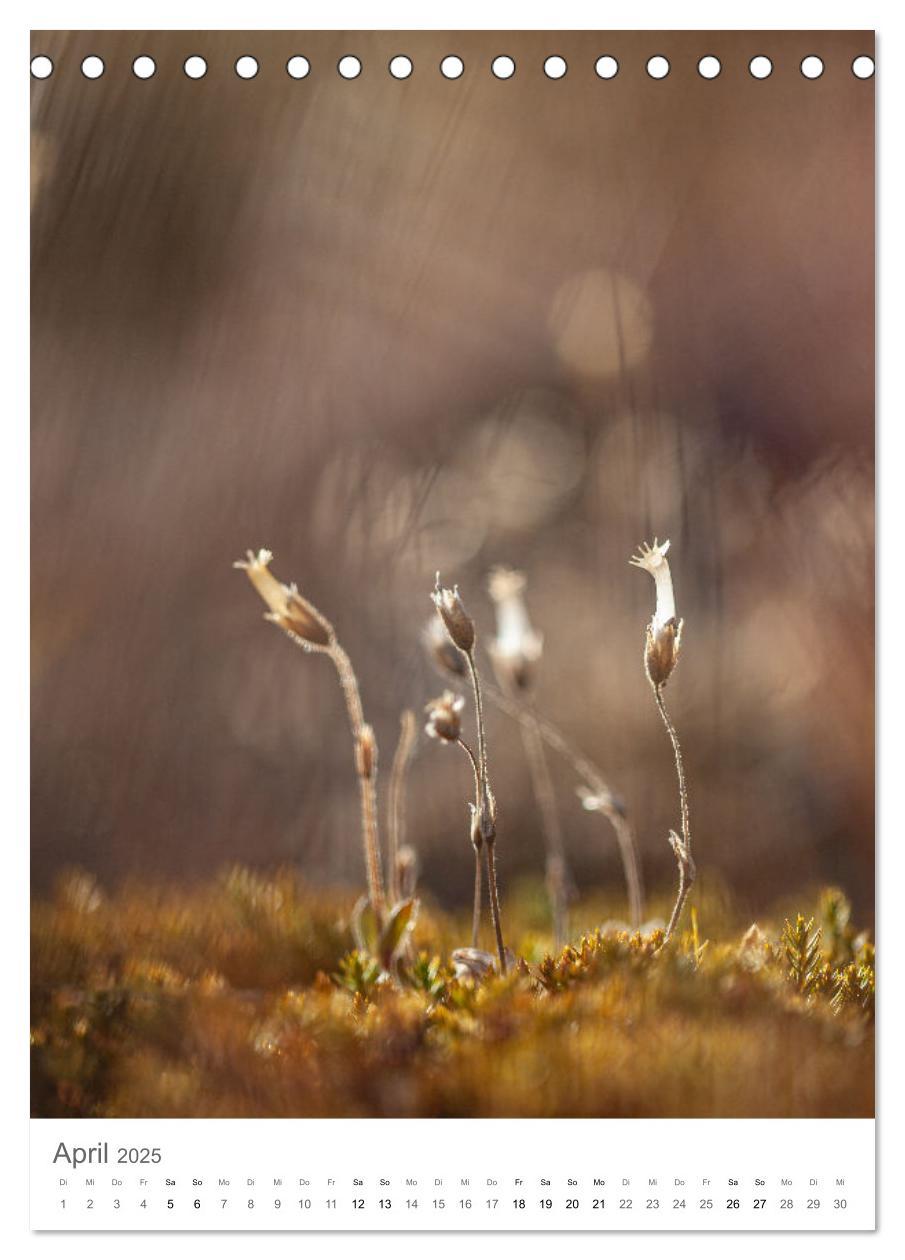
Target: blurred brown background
<point x="387" y="327"/>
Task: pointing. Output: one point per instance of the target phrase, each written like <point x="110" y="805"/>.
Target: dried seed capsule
<point x="444" y="720"/>
<point x="459" y="625"/>
<point x="661" y="651"/>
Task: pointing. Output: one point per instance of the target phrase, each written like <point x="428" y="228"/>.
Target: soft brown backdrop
<point x="370" y="325"/>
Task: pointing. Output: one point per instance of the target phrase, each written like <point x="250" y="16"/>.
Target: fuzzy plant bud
<point x="459" y="626"/>
<point x="444" y="717"/>
<point x="286" y="607"/>
<point x="517" y="645"/>
<point x="663" y="636"/>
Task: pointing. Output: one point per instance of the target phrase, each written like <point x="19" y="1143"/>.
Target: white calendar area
<point x="452" y="1174"/>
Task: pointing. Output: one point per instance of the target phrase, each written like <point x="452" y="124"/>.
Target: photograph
<point x="452" y="575"/>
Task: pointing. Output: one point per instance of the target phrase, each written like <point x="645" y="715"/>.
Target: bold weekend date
<point x="75" y="1156"/>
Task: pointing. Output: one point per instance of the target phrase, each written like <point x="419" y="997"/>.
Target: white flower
<point x="653" y="560"/>
<point x="664" y="633"/>
<point x="517" y="644"/>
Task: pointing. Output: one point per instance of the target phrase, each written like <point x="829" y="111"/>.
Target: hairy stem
<point x="396" y="829"/>
<point x="366" y="769"/>
<point x="683" y="852"/>
<point x="476" y="843"/>
<point x="476" y="912"/>
<point x="487" y="811"/>
<point x="475" y="770"/>
<point x="684" y="890"/>
<point x="495" y="905"/>
<point x="485" y="802"/>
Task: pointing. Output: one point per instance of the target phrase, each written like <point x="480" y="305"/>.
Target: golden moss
<point x="248" y="998"/>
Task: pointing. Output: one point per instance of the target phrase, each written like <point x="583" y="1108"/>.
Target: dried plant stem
<point x="628" y="852"/>
<point x="366" y="768"/>
<point x="495" y="905"/>
<point x="495" y="901"/>
<point x="487" y="811"/>
<point x="482" y="739"/>
<point x="476" y="912"/>
<point x="396" y="829"/>
<point x="590" y="774"/>
<point x="476" y="843"/>
<point x="681" y="848"/>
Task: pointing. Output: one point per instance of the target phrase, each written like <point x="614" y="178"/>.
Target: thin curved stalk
<point x="366" y="769"/>
<point x="487" y="819"/>
<point x="593" y="776"/>
<point x="544" y="795"/>
<point x="681" y="848"/>
<point x="485" y="801"/>
<point x="476" y="844"/>
<point x="396" y="829"/>
<point x="495" y="905"/>
<point x="476" y="911"/>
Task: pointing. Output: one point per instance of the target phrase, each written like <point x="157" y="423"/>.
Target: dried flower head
<point x="442" y="651"/>
<point x="459" y="626"/>
<point x="517" y="645"/>
<point x="444" y="717"/>
<point x="664" y="633"/>
<point x="287" y="608"/>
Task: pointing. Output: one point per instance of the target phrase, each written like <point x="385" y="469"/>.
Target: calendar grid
<point x="303" y="1175"/>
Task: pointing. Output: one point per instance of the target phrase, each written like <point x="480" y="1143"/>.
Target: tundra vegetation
<point x="266" y="994"/>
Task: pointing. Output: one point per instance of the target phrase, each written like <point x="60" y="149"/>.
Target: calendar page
<point x="452" y="762"/>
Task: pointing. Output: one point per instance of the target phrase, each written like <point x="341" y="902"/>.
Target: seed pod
<point x="444" y="717"/>
<point x="459" y="626"/>
<point x="661" y="651"/>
